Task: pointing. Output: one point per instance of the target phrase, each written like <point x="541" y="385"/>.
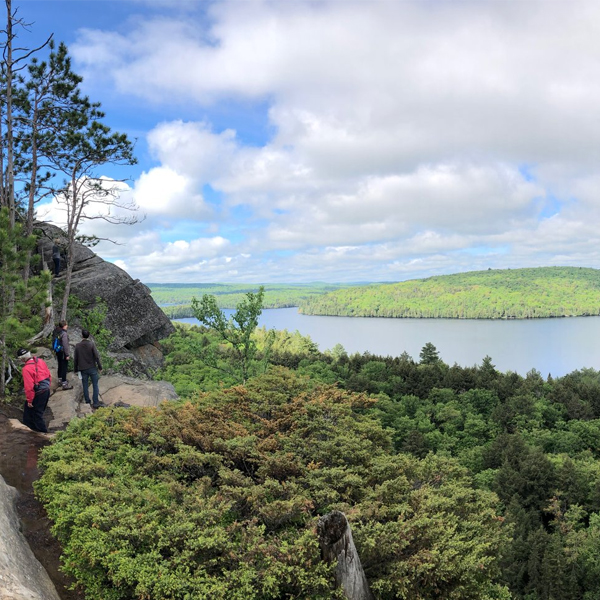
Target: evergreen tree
<point x="429" y="354"/>
<point x="13" y="61"/>
<point x="19" y="303"/>
<point x="87" y="145"/>
<point x="49" y="94"/>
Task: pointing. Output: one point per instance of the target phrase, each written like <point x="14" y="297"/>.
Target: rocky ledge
<point x="114" y="390"/>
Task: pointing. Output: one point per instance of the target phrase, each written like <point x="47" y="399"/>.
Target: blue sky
<point x="343" y="140"/>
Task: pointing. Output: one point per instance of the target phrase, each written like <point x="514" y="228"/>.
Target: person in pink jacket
<point x="36" y="380"/>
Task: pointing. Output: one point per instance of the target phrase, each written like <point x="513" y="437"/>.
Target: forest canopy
<point x="534" y="442"/>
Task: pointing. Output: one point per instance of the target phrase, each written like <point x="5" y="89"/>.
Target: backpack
<point x="56" y="342"/>
<point x="39" y="386"/>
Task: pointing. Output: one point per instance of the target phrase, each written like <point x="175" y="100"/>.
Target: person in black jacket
<point x="87" y="362"/>
<point x="56" y="257"/>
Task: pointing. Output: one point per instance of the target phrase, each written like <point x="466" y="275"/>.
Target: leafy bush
<point x="218" y="497"/>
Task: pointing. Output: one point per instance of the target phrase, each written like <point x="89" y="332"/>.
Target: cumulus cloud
<point x="408" y="138"/>
<point x="164" y="191"/>
<point x="398" y="80"/>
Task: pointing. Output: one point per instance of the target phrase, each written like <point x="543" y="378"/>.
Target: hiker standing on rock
<point x="36" y="380"/>
<point x="86" y="358"/>
<point x="60" y="345"/>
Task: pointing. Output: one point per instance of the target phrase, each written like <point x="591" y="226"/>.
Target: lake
<point x="552" y="346"/>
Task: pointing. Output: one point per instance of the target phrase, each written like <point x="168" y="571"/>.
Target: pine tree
<point x="19" y="302"/>
<point x="429" y="354"/>
<point x="84" y="146"/>
<point x="13" y="61"/>
<point x="49" y="93"/>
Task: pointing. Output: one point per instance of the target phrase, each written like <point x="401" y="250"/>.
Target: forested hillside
<point x="493" y="294"/>
<point x="535" y="443"/>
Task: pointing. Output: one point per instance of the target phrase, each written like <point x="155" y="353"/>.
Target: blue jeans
<point x="86" y="375"/>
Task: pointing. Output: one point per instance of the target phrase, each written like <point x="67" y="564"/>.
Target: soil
<point x="19" y="452"/>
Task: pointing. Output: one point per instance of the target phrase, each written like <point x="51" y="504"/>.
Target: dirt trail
<point x="19" y="452"/>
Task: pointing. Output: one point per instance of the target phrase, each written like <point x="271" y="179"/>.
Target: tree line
<point x="176" y="299"/>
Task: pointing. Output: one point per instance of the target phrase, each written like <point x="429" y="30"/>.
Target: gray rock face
<point x="116" y="389"/>
<point x="22" y="577"/>
<point x="133" y="317"/>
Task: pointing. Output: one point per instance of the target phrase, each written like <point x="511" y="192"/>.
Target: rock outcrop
<point x="114" y="390"/>
<point x="134" y="319"/>
<point x="119" y="390"/>
<point x="22" y="577"/>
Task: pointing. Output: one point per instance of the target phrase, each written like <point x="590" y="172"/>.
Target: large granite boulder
<point x="114" y="390"/>
<point x="22" y="577"/>
<point x="135" y="320"/>
<point x="118" y="390"/>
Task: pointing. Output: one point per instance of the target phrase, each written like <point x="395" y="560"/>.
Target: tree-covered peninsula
<point x="492" y="294"/>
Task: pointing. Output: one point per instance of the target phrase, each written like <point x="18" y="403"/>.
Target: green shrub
<point x="218" y="497"/>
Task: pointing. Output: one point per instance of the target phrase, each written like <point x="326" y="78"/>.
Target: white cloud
<point x="409" y="137"/>
<point x="192" y="149"/>
<point x="383" y="84"/>
<point x="163" y="191"/>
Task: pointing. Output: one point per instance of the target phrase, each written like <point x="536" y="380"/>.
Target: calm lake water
<point x="552" y="346"/>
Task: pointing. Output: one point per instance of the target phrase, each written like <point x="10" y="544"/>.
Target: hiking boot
<point x="99" y="405"/>
<point x="66" y="386"/>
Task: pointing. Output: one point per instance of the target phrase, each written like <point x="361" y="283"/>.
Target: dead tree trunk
<point x="335" y="539"/>
<point x="9" y="184"/>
